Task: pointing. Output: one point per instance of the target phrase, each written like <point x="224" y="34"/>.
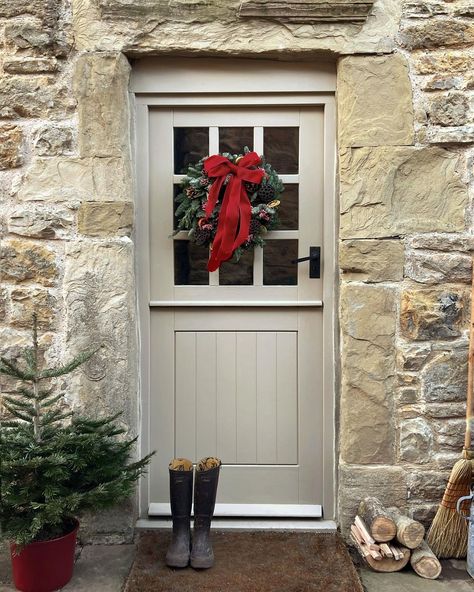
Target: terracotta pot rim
<point x="36" y="543"/>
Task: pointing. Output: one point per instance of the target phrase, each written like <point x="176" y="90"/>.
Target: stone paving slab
<point x="99" y="568"/>
<point x="454" y="578"/>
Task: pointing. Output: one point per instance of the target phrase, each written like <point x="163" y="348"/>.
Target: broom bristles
<point x="447" y="536"/>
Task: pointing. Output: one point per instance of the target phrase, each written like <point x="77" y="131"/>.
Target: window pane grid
<point x="272" y="264"/>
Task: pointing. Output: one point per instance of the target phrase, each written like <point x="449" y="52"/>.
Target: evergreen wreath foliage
<point x="190" y="201"/>
<point x="54" y="465"/>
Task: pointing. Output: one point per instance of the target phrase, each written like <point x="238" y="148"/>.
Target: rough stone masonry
<point x="405" y="141"/>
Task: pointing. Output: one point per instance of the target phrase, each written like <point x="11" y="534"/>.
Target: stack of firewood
<point x="387" y="540"/>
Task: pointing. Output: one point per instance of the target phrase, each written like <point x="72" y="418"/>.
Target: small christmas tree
<point x="54" y="465"/>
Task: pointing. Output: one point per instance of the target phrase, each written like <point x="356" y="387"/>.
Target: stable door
<point x="236" y="356"/>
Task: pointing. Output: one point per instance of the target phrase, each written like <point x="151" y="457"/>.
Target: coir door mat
<point x="249" y="562"/>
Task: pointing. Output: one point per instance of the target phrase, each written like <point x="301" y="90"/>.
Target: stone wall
<point x="405" y="128"/>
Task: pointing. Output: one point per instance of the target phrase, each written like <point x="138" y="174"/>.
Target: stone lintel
<point x="307" y="11"/>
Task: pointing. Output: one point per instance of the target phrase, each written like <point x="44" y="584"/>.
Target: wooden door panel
<point x="236" y="370"/>
<point x="237" y="396"/>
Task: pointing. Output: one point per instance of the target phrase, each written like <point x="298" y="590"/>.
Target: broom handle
<point x="470" y="372"/>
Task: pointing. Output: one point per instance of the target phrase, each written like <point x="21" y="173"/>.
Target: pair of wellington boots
<point x="181" y="552"/>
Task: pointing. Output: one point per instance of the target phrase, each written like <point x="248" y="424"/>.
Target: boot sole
<point x="204" y="563"/>
<point x="177" y="562"/>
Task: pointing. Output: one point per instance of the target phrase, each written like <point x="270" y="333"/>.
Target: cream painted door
<point x="236" y="356"/>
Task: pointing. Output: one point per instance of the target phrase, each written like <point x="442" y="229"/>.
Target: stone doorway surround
<point x="404" y="144"/>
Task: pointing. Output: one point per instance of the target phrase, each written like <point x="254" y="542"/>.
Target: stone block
<point x="450" y="109"/>
<point x="101" y="88"/>
<point x="41" y="222"/>
<point x="412" y="357"/>
<point x="27" y="261"/>
<point x="23" y="65"/>
<point x="11" y="138"/>
<point x="445" y="410"/>
<point x="100" y="311"/>
<point x="86" y="179"/>
<point x="388" y="483"/>
<point x="426" y="485"/>
<point x="443" y="135"/>
<point x="368" y="368"/>
<point x="105" y="218"/>
<point x="444" y="378"/>
<point x="371" y="260"/>
<point x="442" y="62"/>
<point x="53" y="140"/>
<point x="432" y="314"/>
<point x="416" y="441"/>
<point x="449" y="434"/>
<point x="436" y="83"/>
<point x="29" y="35"/>
<point x="27" y="301"/>
<point x="407" y="396"/>
<point x="3" y="304"/>
<point x="46" y="10"/>
<point x="424" y="513"/>
<point x="443" y="242"/>
<point x="33" y="96"/>
<point x="388" y="192"/>
<point x="374" y="101"/>
<point x="438" y="268"/>
<point x="437" y="33"/>
<point x="445" y="460"/>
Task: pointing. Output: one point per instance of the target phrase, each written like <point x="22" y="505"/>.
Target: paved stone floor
<point x="99" y="568"/>
<point x="102" y="568"/>
<point x="454" y="578"/>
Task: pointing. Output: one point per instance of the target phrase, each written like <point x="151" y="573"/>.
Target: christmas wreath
<point x="228" y="202"/>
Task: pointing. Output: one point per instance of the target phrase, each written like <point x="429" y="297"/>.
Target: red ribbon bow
<point x="234" y="218"/>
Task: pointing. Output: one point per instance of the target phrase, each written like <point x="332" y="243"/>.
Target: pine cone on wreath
<point x="254" y="227"/>
<point x="266" y="193"/>
<point x="251" y="187"/>
<point x="202" y="235"/>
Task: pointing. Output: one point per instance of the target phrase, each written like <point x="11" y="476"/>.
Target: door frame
<point x="172" y="82"/>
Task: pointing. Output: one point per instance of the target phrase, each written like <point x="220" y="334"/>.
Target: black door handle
<point x="314" y="262"/>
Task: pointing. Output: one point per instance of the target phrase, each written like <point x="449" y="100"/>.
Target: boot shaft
<point x="205" y="488"/>
<point x="181" y="487"/>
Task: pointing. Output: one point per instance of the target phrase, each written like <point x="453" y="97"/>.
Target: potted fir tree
<point x="53" y="466"/>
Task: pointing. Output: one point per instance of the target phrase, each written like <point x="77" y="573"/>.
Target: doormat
<point x="258" y="561"/>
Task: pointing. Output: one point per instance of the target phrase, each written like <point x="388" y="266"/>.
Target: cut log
<point x="378" y="520"/>
<point x="396" y="552"/>
<point x="410" y="533"/>
<point x="360" y="547"/>
<point x="425" y="563"/>
<point x="388" y="564"/>
<point x="385" y="549"/>
<point x="363" y="530"/>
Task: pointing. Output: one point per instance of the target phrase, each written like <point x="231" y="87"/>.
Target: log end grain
<point x="383" y="529"/>
<point x="387" y="564"/>
<point x="428" y="568"/>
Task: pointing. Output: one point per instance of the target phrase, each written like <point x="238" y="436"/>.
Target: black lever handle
<point x="314" y="262"/>
<point x="301" y="259"/>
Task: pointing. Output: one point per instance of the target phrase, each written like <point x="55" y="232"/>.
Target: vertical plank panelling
<point x="266" y="398"/>
<point x="246" y="361"/>
<point x="287" y="398"/>
<point x="206" y="394"/>
<point x="226" y="397"/>
<point x="185" y="369"/>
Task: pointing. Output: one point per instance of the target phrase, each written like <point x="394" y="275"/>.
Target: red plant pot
<point x="44" y="566"/>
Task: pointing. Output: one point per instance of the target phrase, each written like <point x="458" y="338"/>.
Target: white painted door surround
<point x="238" y="363"/>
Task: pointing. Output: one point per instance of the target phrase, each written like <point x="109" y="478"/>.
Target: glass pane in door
<point x="190" y="264"/>
<point x="190" y="145"/>
<point x="234" y="139"/>
<point x="281" y="148"/>
<point x="278" y="269"/>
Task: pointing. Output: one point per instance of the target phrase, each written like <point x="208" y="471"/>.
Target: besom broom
<point x="447" y="536"/>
